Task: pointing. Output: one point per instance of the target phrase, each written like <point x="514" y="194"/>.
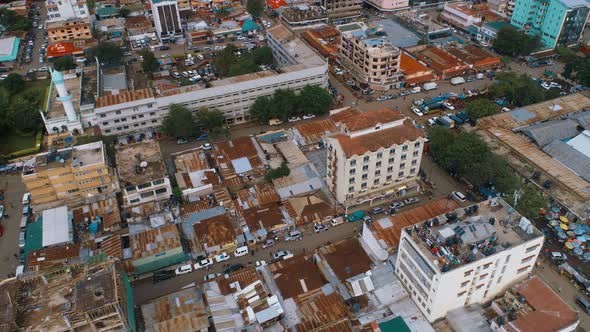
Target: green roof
<point x="34" y="238"/>
<point x="107" y="11"/>
<point x="349" y="27"/>
<point x="395" y="325"/>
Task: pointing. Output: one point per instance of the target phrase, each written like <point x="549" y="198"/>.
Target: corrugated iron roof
<point x="371" y="119"/>
<point x="47" y="258"/>
<point x="184" y="310"/>
<point x="347" y="258"/>
<point x="267" y="217"/>
<point x="125" y="96"/>
<point x="215" y="231"/>
<point x="392" y="234"/>
<point x="321" y="312"/>
<point x="244" y="277"/>
<point x="154" y="241"/>
<point x="296" y="276"/>
<point x="312" y="132"/>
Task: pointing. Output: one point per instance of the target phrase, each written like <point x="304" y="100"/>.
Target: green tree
<point x="25" y="116"/>
<point x="243" y="66"/>
<point x="179" y="122"/>
<point x="314" y="100"/>
<point x="467" y="150"/>
<point x="262" y="55"/>
<point x="13" y="83"/>
<point x="578" y="70"/>
<point x="276" y="173"/>
<point x="510" y="41"/>
<point x="566" y="54"/>
<point x="124" y="11"/>
<point x="11" y="21"/>
<point x="225" y="60"/>
<point x="284" y="103"/>
<point x="530" y="201"/>
<point x="480" y="108"/>
<point x="106" y="52"/>
<point x="519" y="90"/>
<point x="255" y="7"/>
<point x="64" y="63"/>
<point x="261" y="109"/>
<point x="213" y="120"/>
<point x="150" y="63"/>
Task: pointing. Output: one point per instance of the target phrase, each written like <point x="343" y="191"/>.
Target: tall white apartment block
<point x="372" y="153"/>
<point x="467" y="256"/>
<point x="166" y="19"/>
<point x="371" y="59"/>
<point x="61" y="10"/>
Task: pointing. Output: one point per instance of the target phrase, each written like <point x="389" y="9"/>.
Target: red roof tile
<point x="370" y="119"/>
<point x="124" y="97"/>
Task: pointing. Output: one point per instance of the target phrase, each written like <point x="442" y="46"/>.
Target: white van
<point x="337" y="221"/>
<point x="241" y="251"/>
<point x="274" y="122"/>
<point x="26" y="198"/>
<point x="416" y="89"/>
<point x="21" y="239"/>
<point x="458" y="196"/>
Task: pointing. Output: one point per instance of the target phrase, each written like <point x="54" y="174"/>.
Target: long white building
<point x="372" y="153"/>
<point x="61" y="10"/>
<point x="467" y="256"/>
<point x="133" y="111"/>
<point x="166" y="19"/>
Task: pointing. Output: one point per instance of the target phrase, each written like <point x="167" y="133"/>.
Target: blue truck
<point x="446" y="122"/>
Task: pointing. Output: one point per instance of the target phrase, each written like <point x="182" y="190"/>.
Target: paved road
<point x="13" y="192"/>
<point x="34" y="64"/>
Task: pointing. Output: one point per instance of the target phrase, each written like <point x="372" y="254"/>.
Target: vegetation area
<point x="64" y="63"/>
<point x="11" y="21"/>
<point x="229" y="64"/>
<point x="466" y="155"/>
<point x="276" y="173"/>
<point x="150" y="63"/>
<point x="520" y="90"/>
<point x="285" y="103"/>
<point x="577" y="68"/>
<point x="180" y="122"/>
<point x="255" y="7"/>
<point x="107" y="53"/>
<point x="513" y="42"/>
<point x="479" y="108"/>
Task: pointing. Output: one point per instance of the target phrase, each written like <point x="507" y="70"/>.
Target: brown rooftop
<point x="346" y="258"/>
<point x="190" y="161"/>
<point x="312" y="132"/>
<point x="389" y="231"/>
<point x="107" y="210"/>
<point x="438" y="59"/>
<point x="296" y="276"/>
<point x="154" y="241"/>
<point x="244" y="277"/>
<point x="341" y="114"/>
<point x="371" y="119"/>
<point x="308" y="208"/>
<point x="551" y="312"/>
<point x="129" y="163"/>
<point x="380" y="139"/>
<point x="125" y="96"/>
<point x="258" y="195"/>
<point x="48" y="258"/>
<point x="321" y="312"/>
<point x="264" y="217"/>
<point x="215" y="231"/>
<point x="183" y="310"/>
<point x="135" y="22"/>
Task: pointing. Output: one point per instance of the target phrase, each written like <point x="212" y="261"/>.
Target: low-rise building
<point x="261" y="222"/>
<point x="461" y="14"/>
<point x="342" y="10"/>
<point x="414" y="71"/>
<point x="300" y="15"/>
<point x="142" y="173"/>
<point x="478" y="59"/>
<point x="371" y="59"/>
<point x="238" y="160"/>
<point x="74" y="28"/>
<point x="445" y="65"/>
<point x="388" y="5"/>
<point x="193" y="174"/>
<point x="65" y="10"/>
<point x="465" y="257"/>
<point x="127" y="112"/>
<point x="215" y="235"/>
<point x="71" y="174"/>
<point x="374" y="153"/>
<point x="154" y="249"/>
<point x="324" y="39"/>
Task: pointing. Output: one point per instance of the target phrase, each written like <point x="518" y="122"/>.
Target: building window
<point x="350" y="189"/>
<point x="351" y="180"/>
<point x="366" y="159"/>
<point x="467" y="273"/>
<point x="353" y="162"/>
<point x="376" y="181"/>
<point x="402" y="165"/>
<point x="377" y="172"/>
<point x="400" y="174"/>
<point x="405" y="148"/>
<point x="391" y="160"/>
<point x="388" y="178"/>
<point x="415" y="153"/>
<point x="463" y="284"/>
<point x="365" y="168"/>
<point x="529" y="249"/>
<point x="528" y="258"/>
<point x="417" y="144"/>
<point x="117" y="112"/>
<point x="352" y="171"/>
<point x="146" y="195"/>
<point x="379" y="154"/>
<point x="161" y="191"/>
<point x="364" y="177"/>
<point x="378" y="164"/>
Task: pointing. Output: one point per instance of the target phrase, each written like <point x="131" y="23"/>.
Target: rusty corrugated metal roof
<point x="318" y="311"/>
<point x="296" y="276"/>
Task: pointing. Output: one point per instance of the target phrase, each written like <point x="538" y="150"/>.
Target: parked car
<point x="411" y="200"/>
<point x="222" y="257"/>
<point x="294" y="235"/>
<point x="458" y="196"/>
<point x="282" y="254"/>
<point x="1" y="211"/>
<point x="358" y="215"/>
<point x="268" y="243"/>
<point x="377" y="210"/>
<point x="337" y="221"/>
<point x="448" y="105"/>
<point x="350" y="83"/>
<point x="233" y="268"/>
<point x="27" y="210"/>
<point x="432" y="121"/>
<point x="206" y="146"/>
<point x="162" y="275"/>
<point x="184" y="269"/>
<point x="417" y="112"/>
<point x="396" y="205"/>
<point x="212" y="276"/>
<point x="260" y="263"/>
<point x="382" y="98"/>
<point x="308" y="116"/>
<point x="584" y="304"/>
<point x="203" y="263"/>
<point x="181" y="141"/>
<point x="203" y="137"/>
<point x="294" y="119"/>
<point x="241" y="251"/>
<point x="367" y="219"/>
<point x="557" y="256"/>
<point x="318" y="228"/>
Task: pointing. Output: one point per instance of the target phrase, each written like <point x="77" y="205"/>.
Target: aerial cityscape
<point x="295" y="165"/>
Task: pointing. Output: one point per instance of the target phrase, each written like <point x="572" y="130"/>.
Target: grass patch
<point x="14" y="141"/>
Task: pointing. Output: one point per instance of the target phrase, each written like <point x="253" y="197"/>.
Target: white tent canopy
<point x="57" y="227"/>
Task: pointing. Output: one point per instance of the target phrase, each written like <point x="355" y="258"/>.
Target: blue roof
<point x="374" y="42"/>
<point x="398" y="35"/>
<point x="9" y="55"/>
<point x="249" y="25"/>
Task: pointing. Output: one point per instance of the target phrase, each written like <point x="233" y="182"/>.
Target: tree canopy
<point x="530" y="201"/>
<point x="518" y="89"/>
<point x="106" y="52"/>
<point x="19" y="107"/>
<point x="255" y="7"/>
<point x="285" y="103"/>
<point x="279" y="172"/>
<point x="64" y="63"/>
<point x="10" y="20"/>
<point x="213" y="120"/>
<point x="466" y="155"/>
<point x="179" y="122"/>
<point x="13" y="83"/>
<point x="150" y="63"/>
<point x="510" y="41"/>
<point x="578" y="69"/>
<point x="480" y="108"/>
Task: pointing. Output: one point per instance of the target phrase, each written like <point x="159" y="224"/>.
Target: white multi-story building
<point x="460" y="14"/>
<point x="388" y="5"/>
<point x="61" y="10"/>
<point x="166" y="19"/>
<point x="371" y="154"/>
<point x="371" y="59"/>
<point x="467" y="256"/>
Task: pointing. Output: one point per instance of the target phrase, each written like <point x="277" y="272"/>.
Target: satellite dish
<point x="62" y="161"/>
<point x="143" y="164"/>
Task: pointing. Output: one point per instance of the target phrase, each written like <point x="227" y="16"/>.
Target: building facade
<point x="68" y="174"/>
<point x="166" y="19"/>
<point x="388" y="5"/>
<point x="559" y="23"/>
<point x="127" y="112"/>
<point x="61" y="10"/>
<point x="68" y="30"/>
<point x="342" y="10"/>
<point x="460" y="15"/>
<point x="466" y="257"/>
<point x="373" y="61"/>
<point x="373" y="152"/>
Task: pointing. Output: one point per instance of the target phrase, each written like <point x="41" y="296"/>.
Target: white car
<point x="294" y="119"/>
<point x="417" y="112"/>
<point x="382" y="98"/>
<point x="212" y="276"/>
<point x="283" y="254"/>
<point x="555" y="85"/>
<point x="432" y="121"/>
<point x="204" y="263"/>
<point x="184" y="269"/>
<point x="350" y="83"/>
<point x="448" y="105"/>
<point x="545" y="86"/>
<point x="206" y="146"/>
<point x="222" y="257"/>
<point x="260" y="263"/>
<point x="308" y="116"/>
<point x="458" y="196"/>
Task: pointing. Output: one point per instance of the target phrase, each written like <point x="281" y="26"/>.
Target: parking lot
<point x="13" y="189"/>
